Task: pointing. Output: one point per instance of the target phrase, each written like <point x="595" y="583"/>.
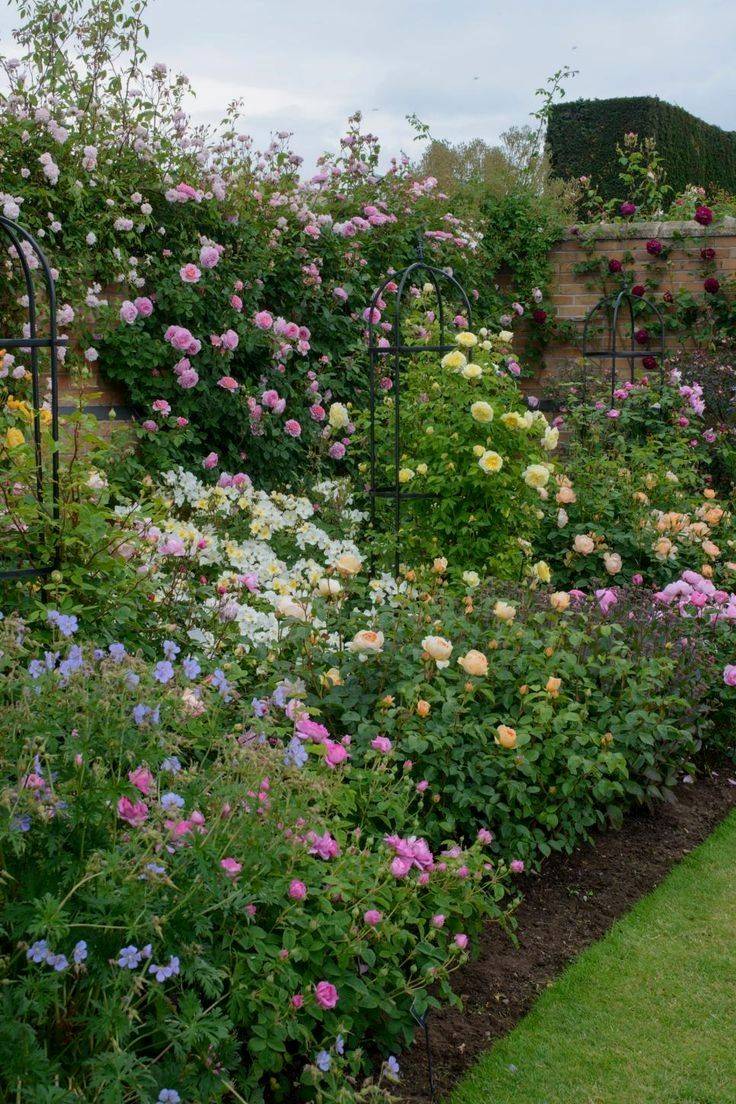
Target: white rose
<point x="438" y="649"/>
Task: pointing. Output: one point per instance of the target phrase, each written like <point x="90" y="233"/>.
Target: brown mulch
<point x="571" y="905"/>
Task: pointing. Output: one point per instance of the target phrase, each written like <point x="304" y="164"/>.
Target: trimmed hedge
<point x="582" y="138"/>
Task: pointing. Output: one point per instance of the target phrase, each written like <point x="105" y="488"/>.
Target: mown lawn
<point x="646" y="1016"/>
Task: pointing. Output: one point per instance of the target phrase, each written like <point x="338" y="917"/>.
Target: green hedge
<point x="582" y="138"/>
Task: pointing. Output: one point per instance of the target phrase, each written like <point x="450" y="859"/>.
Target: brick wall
<point x="572" y="295"/>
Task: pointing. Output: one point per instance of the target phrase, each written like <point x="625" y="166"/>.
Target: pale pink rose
<point x="190" y="274"/>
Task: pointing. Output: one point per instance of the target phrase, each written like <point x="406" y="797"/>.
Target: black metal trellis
<point x="397" y="353"/>
<point x="30" y="256"/>
<point x="635" y="309"/>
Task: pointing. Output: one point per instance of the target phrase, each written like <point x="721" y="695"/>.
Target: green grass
<point x="645" y="1016"/>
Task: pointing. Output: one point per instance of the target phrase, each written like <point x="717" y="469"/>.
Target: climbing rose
<point x="654" y="247"/>
<point x="326" y="994"/>
<point x="703" y="215"/>
<point x="729" y="675"/>
<point x="711" y="285"/>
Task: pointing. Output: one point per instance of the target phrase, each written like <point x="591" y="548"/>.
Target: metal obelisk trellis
<point x="396" y="354"/>
<point x="29" y="255"/>
<point x="638" y="341"/>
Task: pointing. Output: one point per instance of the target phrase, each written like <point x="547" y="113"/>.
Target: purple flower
<point x="38" y="952"/>
<point x="323" y="1061"/>
<point x="220" y="683"/>
<point x="169" y="1096"/>
<point x="170" y="649"/>
<point x="67" y="624"/>
<point x="58" y="961"/>
<point x="140" y="712"/>
<point x="295" y="754"/>
<point x="171" y="764"/>
<point x="79" y="953"/>
<point x="163" y="973"/>
<point x="172" y="801"/>
<point x="129" y="958"/>
<point x="191" y="668"/>
<point x="163" y="672"/>
<point x="117" y="652"/>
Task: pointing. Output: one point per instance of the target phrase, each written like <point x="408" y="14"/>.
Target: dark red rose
<point x="708" y="254"/>
<point x="649" y="363"/>
<point x="668" y="297"/>
<point x="627" y="208"/>
<point x="711" y="285"/>
<point x="614" y="265"/>
<point x="638" y="290"/>
<point x="641" y="337"/>
<point x="654" y="247"/>
<point x="539" y="316"/>
<point x="703" y="215"/>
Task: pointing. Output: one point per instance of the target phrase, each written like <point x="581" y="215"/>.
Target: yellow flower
<point x="366" y="642"/>
<point x="471" y="372"/>
<point x="405" y="475"/>
<point x="536" y="475"/>
<point x="559" y="601"/>
<point x="14" y="438"/>
<point x="439" y="565"/>
<point x="454" y="360"/>
<point x="348" y="564"/>
<point x="541" y="571"/>
<point x="553" y="686"/>
<point x="332" y="677"/>
<point x="505" y="337"/>
<point x="422" y="469"/>
<point x="329" y="588"/>
<point x="482" y="411"/>
<point x="478" y="450"/>
<point x="338" y="416"/>
<point x="490" y="462"/>
<point x="551" y="438"/>
<point x="506" y="736"/>
<point x="504" y="611"/>
<point x="466" y="340"/>
<point x="474" y="663"/>
<point x="513" y="420"/>
<point x="471" y="578"/>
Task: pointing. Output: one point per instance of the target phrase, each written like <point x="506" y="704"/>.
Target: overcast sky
<point x="468" y="68"/>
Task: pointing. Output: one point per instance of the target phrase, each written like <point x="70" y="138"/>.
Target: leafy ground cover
<point x="644" y="1016"/>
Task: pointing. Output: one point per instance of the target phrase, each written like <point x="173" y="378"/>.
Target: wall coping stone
<point x="627" y="231"/>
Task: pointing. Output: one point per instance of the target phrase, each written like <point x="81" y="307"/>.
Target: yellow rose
<point x="536" y="475"/>
<point x="505" y="337"/>
<point x="471" y="578"/>
<point x="466" y="340"/>
<point x="512" y="420"/>
<point x="14" y="438"/>
<point x="454" y="360"/>
<point x="482" y="411"/>
<point x="559" y="601"/>
<point x="474" y="663"/>
<point x="287" y="607"/>
<point x="553" y="686"/>
<point x="506" y="736"/>
<point x="332" y="677"/>
<point x="338" y="416"/>
<point x="541" y="571"/>
<point x="422" y="469"/>
<point x="405" y="475"/>
<point x="504" y="611"/>
<point x="438" y="649"/>
<point x="471" y="372"/>
<point x="348" y="564"/>
<point x="551" y="438"/>
<point x="478" y="450"/>
<point x="366" y="642"/>
<point x="490" y="462"/>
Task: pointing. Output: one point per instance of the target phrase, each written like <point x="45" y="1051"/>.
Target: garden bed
<point x="571" y="906"/>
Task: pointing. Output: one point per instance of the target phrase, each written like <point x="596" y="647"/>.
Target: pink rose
<point x="209" y="255"/>
<point x="211" y="460"/>
<point x="729" y="674"/>
<point x="134" y="813"/>
<point x="263" y="320"/>
<point x="297" y="1001"/>
<point x="128" y="312"/>
<point x="336" y="754"/>
<point x="326" y="994"/>
<point x="516" y="866"/>
<point x="229" y="340"/>
<point x="297" y="890"/>
<point x="236" y="302"/>
<point x="142" y="779"/>
<point x="438" y="921"/>
<point x="144" y="306"/>
<point x="188" y="378"/>
<point x="382" y="744"/>
<point x="227" y="383"/>
<point x="293" y="428"/>
<point x="461" y="941"/>
<point x="372" y="917"/>
<point x="190" y="274"/>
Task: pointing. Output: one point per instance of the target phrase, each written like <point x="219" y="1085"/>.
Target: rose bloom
<point x="329" y="588"/>
<point x="190" y="274"/>
<point x="504" y="611"/>
<point x="536" y="475"/>
<point x="326" y="994"/>
<point x="506" y="736"/>
<point x="471" y="372"/>
<point x="338" y="416"/>
<point x="297" y="890"/>
<point x="366" y="642"/>
<point x="372" y="917"/>
<point x="482" y="411"/>
<point x="559" y="601"/>
<point x="553" y="686"/>
<point x="348" y="564"/>
<point x="454" y="360"/>
<point x="227" y="383"/>
<point x="729" y="674"/>
<point x="565" y="496"/>
<point x="583" y="544"/>
<point x="439" y="565"/>
<point x="541" y="571"/>
<point x="474" y="663"/>
<point x="613" y="562"/>
<point x="438" y="649"/>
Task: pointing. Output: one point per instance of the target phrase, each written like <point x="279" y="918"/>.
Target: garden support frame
<point x="632" y="306"/>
